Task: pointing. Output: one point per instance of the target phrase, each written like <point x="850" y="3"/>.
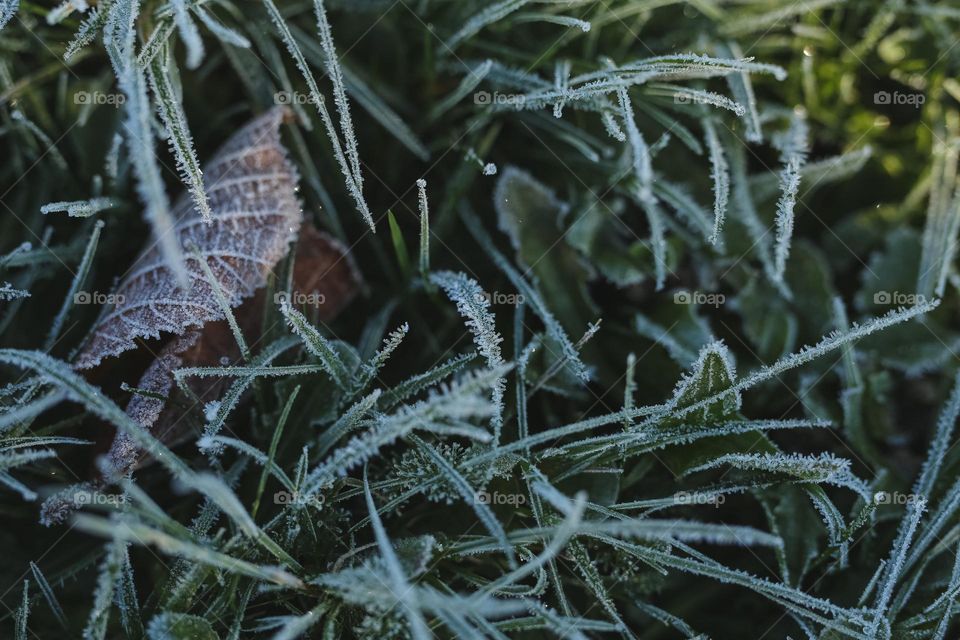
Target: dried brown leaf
<point x="252" y="191"/>
<point x="324" y="271"/>
<point x="146" y="409"/>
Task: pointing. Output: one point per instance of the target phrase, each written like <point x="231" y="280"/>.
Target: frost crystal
<point x="8" y="9"/>
<point x="472" y="303"/>
<point x="793" y="154"/>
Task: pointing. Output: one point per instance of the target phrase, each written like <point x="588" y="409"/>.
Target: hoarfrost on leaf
<point x="251" y="186"/>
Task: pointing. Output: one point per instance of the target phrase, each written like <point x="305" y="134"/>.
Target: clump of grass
<point x="594" y="414"/>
